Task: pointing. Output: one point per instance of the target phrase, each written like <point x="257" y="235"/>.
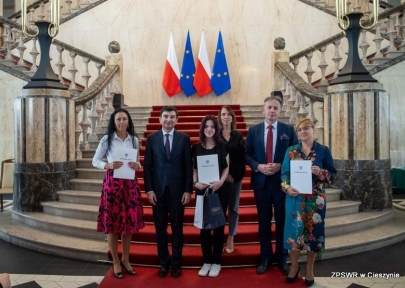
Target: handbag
<point x="213" y="215"/>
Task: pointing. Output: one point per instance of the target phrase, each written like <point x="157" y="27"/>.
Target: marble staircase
<point x="67" y="226"/>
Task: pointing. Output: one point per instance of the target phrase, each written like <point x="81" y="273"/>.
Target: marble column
<point x="357" y="132"/>
<point x="44" y="146"/>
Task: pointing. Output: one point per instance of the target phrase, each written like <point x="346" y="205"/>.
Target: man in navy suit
<point x="264" y="153"/>
<point x="168" y="175"/>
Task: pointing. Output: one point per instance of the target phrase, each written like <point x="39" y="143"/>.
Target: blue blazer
<point x="255" y="152"/>
<point x="177" y="171"/>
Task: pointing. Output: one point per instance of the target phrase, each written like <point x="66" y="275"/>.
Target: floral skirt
<point x="304" y="227"/>
<point x="121" y="210"/>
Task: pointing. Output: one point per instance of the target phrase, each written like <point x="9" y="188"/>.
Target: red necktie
<point x="269" y="145"/>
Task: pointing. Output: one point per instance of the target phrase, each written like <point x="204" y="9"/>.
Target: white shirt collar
<point x="266" y="125"/>
<point x="116" y="136"/>
<point x="171" y="132"/>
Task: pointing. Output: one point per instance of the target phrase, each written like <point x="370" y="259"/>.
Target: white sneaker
<point x="214" y="271"/>
<point x="204" y="270"/>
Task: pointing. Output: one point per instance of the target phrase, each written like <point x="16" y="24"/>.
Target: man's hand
<point x="274" y="168"/>
<point x="186" y="198"/>
<point x="152" y="197"/>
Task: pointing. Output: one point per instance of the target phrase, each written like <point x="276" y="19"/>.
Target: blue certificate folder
<point x="301" y="176"/>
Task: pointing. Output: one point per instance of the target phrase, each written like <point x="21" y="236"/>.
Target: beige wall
<point x="10" y="88"/>
<point x="142" y="27"/>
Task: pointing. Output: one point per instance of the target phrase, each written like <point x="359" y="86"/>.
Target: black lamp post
<point x="354" y="70"/>
<point x="44" y="77"/>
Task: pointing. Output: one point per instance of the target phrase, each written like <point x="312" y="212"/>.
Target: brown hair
<point x="230" y="110"/>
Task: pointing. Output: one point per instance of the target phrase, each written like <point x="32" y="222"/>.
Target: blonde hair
<point x="303" y="122"/>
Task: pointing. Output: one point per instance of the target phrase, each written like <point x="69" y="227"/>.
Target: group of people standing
<point x="171" y="174"/>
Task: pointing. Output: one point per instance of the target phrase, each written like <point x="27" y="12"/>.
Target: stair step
<point x="193" y="132"/>
<point x="71" y="210"/>
<point x="356" y="221"/>
<point x="93" y="198"/>
<point x="341" y="207"/>
<point x="200" y="113"/>
<point x="95" y="173"/>
<point x="247" y="214"/>
<point x="52" y="243"/>
<point x="189" y="119"/>
<point x="60" y="225"/>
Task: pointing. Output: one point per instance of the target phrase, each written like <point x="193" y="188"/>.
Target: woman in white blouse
<point x="121" y="210"/>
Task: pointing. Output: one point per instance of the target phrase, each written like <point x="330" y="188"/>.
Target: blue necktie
<point x="167" y="146"/>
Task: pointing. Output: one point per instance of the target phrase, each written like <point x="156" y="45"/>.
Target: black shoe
<point x="309" y="283"/>
<point x="263" y="267"/>
<point x="284" y="268"/>
<point x="292" y="280"/>
<point x="130" y="271"/>
<point x="163" y="271"/>
<point x="117" y="275"/>
<point x="176" y="272"/>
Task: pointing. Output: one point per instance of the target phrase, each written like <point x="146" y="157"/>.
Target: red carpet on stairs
<point x="232" y="278"/>
<point x="143" y="250"/>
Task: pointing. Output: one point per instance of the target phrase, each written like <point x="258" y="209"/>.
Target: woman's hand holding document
<point x="125" y="155"/>
<point x="301" y="176"/>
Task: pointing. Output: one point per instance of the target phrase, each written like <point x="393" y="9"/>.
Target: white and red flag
<point x="171" y="75"/>
<point x="202" y="76"/>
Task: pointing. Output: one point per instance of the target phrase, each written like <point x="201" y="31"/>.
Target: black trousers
<point x="212" y="240"/>
<point x="165" y="206"/>
<point x="271" y="196"/>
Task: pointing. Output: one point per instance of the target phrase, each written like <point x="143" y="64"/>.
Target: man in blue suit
<point x="264" y="153"/>
<point x="168" y="175"/>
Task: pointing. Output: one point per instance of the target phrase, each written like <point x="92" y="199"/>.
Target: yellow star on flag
<point x="225" y="73"/>
<point x="219" y="50"/>
<point x="187" y="51"/>
<point x="181" y="75"/>
<point x="187" y="77"/>
<point x="219" y="75"/>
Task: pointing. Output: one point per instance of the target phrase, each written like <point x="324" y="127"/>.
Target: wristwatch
<point x="195" y="182"/>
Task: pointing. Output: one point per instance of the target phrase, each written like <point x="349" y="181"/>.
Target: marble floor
<point x="380" y="268"/>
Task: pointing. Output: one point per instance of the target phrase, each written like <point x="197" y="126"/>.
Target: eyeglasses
<point x="306" y="128"/>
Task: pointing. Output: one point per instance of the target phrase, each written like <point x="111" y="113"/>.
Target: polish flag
<point x="171" y="75"/>
<point x="202" y="76"/>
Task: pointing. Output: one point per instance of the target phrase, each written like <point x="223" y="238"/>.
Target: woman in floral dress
<point x="305" y="213"/>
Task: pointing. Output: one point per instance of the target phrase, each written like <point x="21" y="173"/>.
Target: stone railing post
<point x="280" y="55"/>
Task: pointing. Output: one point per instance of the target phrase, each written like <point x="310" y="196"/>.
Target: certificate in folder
<point x="301" y="175"/>
<point x="125" y="155"/>
<point x="207" y="168"/>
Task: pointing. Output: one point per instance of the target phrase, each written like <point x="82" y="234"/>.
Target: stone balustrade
<point x="377" y="46"/>
<point x="69" y="8"/>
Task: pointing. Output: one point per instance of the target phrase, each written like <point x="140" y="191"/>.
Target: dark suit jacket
<point x="255" y="152"/>
<point x="177" y="169"/>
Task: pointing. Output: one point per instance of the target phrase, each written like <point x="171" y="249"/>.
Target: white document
<point x="125" y="155"/>
<point x="208" y="169"/>
<point x="301" y="175"/>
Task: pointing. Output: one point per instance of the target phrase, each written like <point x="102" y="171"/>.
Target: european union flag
<point x="187" y="69"/>
<point x="220" y="81"/>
